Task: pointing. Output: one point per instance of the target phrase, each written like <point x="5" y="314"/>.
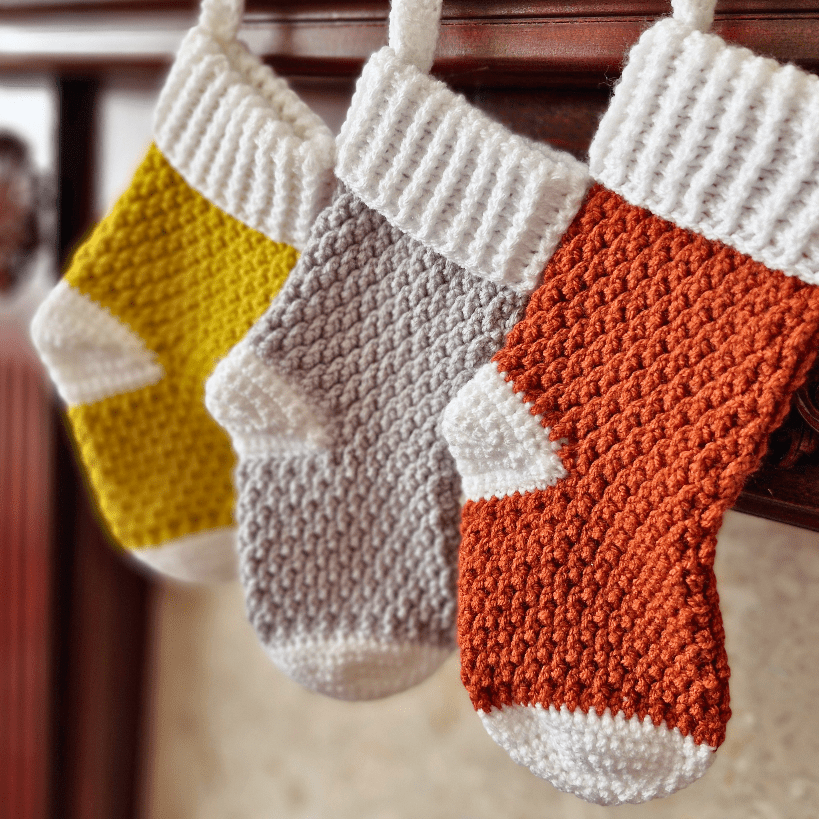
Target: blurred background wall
<point x="234" y="738"/>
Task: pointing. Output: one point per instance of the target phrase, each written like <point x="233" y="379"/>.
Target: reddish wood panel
<point x="102" y="605"/>
<point x="786" y="495"/>
<point x="25" y="568"/>
<point x="472" y="9"/>
<point x="564" y="117"/>
<point x="100" y="760"/>
<point x="518" y="50"/>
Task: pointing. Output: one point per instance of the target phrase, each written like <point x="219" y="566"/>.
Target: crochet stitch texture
<point x="189" y="282"/>
<point x="348" y="498"/>
<point x="190" y="255"/>
<point x="597" y="593"/>
<point x="718" y="140"/>
<point x="601" y="448"/>
<point x="451" y="177"/>
<point x="348" y="552"/>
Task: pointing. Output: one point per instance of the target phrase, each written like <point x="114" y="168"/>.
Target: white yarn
<point x="260" y="410"/>
<point x="205" y="557"/>
<point x="608" y="760"/>
<point x="440" y="170"/>
<point x="499" y="446"/>
<point x="222" y="17"/>
<point x="719" y="141"/>
<point x="90" y="354"/>
<point x="698" y="14"/>
<point x="348" y="667"/>
<point x="243" y="139"/>
<point x="413" y="31"/>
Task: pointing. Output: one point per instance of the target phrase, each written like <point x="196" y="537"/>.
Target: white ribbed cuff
<point x="446" y="174"/>
<point x="243" y="139"/>
<point x="719" y="141"/>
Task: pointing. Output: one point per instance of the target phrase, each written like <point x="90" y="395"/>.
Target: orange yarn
<point x="665" y="361"/>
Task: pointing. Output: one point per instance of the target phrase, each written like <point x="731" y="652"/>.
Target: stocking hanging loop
<point x="698" y="14"/>
<point x="222" y="17"/>
<point x="414" y="31"/>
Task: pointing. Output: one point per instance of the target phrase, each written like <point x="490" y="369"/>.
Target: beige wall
<point x="234" y="739"/>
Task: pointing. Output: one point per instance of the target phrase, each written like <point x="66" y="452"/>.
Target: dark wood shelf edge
<point x="789" y="505"/>
<point x="506" y="50"/>
<point x="379" y="8"/>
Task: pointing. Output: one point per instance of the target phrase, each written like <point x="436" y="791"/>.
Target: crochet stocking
<point x="348" y="500"/>
<point x="190" y="255"/>
<point x="602" y="446"/>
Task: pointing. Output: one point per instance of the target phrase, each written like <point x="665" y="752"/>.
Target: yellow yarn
<point x="190" y="281"/>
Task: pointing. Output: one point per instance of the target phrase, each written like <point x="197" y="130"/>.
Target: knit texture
<point x="348" y="550"/>
<point x="662" y="361"/>
<point x="654" y="362"/>
<point x="188" y="281"/>
<point x="449" y="176"/>
<point x="170" y="280"/>
<point x="720" y="141"/>
<point x="348" y="498"/>
<point x="608" y="759"/>
<point x="497" y="440"/>
<point x="243" y="139"/>
<point x="414" y="31"/>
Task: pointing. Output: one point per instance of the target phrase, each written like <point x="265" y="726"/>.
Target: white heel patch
<point x="499" y="447"/>
<point x="260" y="410"/>
<point x="90" y="354"/>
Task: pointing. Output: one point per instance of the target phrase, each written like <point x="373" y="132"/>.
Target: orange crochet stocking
<point x="653" y="364"/>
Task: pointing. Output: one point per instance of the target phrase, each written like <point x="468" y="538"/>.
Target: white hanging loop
<point x="699" y="14"/>
<point x="222" y="17"/>
<point x="414" y="31"/>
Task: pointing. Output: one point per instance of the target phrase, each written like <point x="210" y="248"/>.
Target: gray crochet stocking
<point x="348" y="549"/>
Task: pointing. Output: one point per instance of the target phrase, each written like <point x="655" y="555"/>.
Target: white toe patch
<point x="350" y="668"/>
<point x="204" y="557"/>
<point x="607" y="760"/>
<point x="499" y="447"/>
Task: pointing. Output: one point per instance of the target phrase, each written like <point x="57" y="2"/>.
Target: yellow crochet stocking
<point x="189" y="281"/>
<point x="190" y="256"/>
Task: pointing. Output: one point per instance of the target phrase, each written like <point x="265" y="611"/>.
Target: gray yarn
<point x="360" y="539"/>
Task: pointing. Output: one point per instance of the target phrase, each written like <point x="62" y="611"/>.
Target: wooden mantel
<point x="535" y="43"/>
